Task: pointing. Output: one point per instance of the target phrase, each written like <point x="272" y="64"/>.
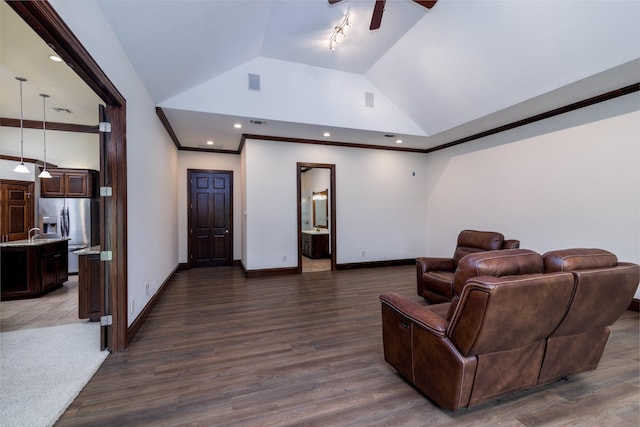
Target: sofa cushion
<point x="578" y="259"/>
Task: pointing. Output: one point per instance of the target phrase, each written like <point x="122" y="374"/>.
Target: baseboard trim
<point x="142" y="317"/>
<point x="346" y="266"/>
<point x="635" y="305"/>
<point x="270" y="272"/>
<point x="375" y="264"/>
<point x="187" y="266"/>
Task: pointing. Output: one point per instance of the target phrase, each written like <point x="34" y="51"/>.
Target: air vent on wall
<point x="257" y="122"/>
<point x="254" y="81"/>
<point x="62" y="110"/>
<point x="368" y="99"/>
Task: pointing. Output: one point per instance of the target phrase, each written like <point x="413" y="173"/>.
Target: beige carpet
<point x="42" y="370"/>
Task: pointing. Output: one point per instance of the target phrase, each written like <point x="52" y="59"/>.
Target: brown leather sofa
<point x="435" y="275"/>
<point x="521" y="320"/>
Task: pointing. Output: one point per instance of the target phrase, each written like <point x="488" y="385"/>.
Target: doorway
<point x="45" y="21"/>
<point x="210" y="218"/>
<point x="316" y="217"/>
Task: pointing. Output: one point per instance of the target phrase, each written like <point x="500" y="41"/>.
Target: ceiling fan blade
<point x="427" y="4"/>
<point x="334" y="1"/>
<point x="376" y="19"/>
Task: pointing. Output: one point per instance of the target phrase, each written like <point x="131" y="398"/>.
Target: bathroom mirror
<point x="320" y="209"/>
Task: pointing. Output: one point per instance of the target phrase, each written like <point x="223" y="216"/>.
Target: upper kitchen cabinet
<point x="70" y="183"/>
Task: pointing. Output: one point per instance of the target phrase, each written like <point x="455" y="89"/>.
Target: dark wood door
<point x="210" y="218"/>
<point x="16" y="209"/>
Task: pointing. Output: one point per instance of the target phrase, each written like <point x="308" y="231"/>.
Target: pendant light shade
<point x="21" y="168"/>
<point x="45" y="173"/>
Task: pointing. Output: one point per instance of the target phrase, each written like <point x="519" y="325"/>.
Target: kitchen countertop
<point x="93" y="250"/>
<point x="27" y="242"/>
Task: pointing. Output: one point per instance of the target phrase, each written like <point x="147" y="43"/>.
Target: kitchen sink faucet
<point x="31" y="239"/>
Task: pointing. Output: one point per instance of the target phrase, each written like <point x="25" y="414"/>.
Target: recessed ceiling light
<point x="326" y="134"/>
<point x="237" y="126"/>
<point x="209" y="142"/>
<point x="398" y="141"/>
<point x="55" y="58"/>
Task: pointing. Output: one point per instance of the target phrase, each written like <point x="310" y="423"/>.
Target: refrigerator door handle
<point x="61" y="222"/>
<point x="68" y="225"/>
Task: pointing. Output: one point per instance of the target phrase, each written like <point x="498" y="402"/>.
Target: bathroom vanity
<point x="315" y="243"/>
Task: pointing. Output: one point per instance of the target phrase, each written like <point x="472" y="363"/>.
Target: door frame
<point x="45" y="21"/>
<point x="189" y="206"/>
<point x="332" y="197"/>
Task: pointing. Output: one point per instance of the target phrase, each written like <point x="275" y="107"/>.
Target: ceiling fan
<point x="378" y="10"/>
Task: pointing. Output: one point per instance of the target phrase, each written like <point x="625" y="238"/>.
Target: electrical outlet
<point x="363" y="254"/>
<point x="148" y="289"/>
<point x="131" y="306"/>
<point x="284" y="258"/>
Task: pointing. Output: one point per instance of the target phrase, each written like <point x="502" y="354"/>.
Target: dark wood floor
<point x="223" y="350"/>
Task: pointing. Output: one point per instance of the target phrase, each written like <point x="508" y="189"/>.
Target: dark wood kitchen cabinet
<point x="54" y="261"/>
<point x="16" y="209"/>
<point x="31" y="269"/>
<point x="90" y="291"/>
<point x="70" y="183"/>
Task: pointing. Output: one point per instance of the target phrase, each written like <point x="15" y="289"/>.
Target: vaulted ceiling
<point x="426" y="76"/>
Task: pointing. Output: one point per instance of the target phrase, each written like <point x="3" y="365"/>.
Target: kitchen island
<point x="30" y="268"/>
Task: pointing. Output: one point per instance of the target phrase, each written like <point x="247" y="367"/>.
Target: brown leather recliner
<point x="435" y="275"/>
<point x="603" y="290"/>
<point x="512" y="327"/>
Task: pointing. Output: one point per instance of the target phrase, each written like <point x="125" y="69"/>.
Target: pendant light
<point x="45" y="173"/>
<point x="21" y="168"/>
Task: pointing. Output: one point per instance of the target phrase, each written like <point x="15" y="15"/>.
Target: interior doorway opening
<point x="45" y="21"/>
<point x="316" y="217"/>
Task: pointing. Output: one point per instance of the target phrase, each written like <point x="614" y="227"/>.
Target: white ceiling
<point x="24" y="54"/>
<point x="437" y="75"/>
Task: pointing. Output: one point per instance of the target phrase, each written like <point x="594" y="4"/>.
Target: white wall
<point x="569" y="181"/>
<point x="311" y="94"/>
<point x="208" y="161"/>
<point x="64" y="149"/>
<point x="151" y="159"/>
<point x="380" y="204"/>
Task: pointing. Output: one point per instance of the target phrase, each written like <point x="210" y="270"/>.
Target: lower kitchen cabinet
<point x="31" y="269"/>
<point x="90" y="292"/>
<point x="54" y="261"/>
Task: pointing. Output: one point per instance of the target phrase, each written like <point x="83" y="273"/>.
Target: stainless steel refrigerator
<point x="76" y="219"/>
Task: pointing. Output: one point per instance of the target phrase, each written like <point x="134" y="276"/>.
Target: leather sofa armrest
<point x="435" y="264"/>
<point x="419" y="314"/>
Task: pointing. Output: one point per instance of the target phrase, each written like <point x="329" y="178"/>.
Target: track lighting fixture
<point x="339" y="32"/>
